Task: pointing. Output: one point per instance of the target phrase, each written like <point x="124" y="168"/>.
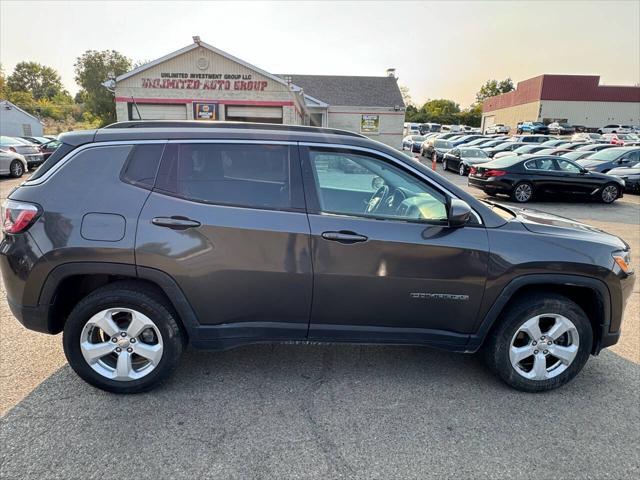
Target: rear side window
<point x="142" y="165"/>
<point x="257" y="176"/>
<point x="58" y="154"/>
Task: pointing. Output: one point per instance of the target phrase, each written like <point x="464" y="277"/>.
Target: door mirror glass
<point x="459" y="213"/>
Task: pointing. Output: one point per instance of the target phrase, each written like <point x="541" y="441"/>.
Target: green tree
<point x="491" y="88"/>
<point x="41" y="81"/>
<point x="24" y="100"/>
<point x="92" y="69"/>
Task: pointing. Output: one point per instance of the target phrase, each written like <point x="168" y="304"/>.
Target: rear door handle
<point x="344" y="237"/>
<point x="176" y="222"/>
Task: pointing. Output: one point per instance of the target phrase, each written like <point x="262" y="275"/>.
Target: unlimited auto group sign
<point x="204" y="81"/>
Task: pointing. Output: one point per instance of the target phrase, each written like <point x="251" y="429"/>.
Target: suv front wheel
<point x="541" y="343"/>
<point x="123" y="338"/>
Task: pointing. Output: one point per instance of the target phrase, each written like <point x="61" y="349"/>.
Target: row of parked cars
<point x="528" y="166"/>
<point x="430" y="127"/>
<point x="21" y="154"/>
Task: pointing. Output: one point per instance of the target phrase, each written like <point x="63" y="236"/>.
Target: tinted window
<point x="566" y="166"/>
<point x="348" y="183"/>
<point x="473" y="153"/>
<point x="58" y="154"/>
<point x="142" y="165"/>
<point x="241" y="175"/>
<point x="606" y="155"/>
<point x="540" y="164"/>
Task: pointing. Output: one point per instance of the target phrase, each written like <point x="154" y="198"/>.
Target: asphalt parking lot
<point x="318" y="411"/>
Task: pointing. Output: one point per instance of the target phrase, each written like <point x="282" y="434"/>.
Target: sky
<point x="440" y="49"/>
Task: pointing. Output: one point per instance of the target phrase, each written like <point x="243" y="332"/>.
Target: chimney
<point x="391" y="72"/>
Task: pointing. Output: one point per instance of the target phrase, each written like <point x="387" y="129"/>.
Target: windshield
<point x="442" y="144"/>
<point x="472" y="153"/>
<point x="575" y="155"/>
<point x="417" y="138"/>
<point x="606" y="155"/>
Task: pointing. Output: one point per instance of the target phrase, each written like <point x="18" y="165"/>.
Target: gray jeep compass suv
<point x="139" y="238"/>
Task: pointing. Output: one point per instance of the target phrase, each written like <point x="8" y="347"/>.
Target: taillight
<point x="473" y="171"/>
<point x="17" y="216"/>
<point x="494" y="173"/>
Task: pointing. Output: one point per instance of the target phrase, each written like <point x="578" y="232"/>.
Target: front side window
<point x="232" y="174"/>
<point x="566" y="166"/>
<point x="142" y="165"/>
<point x="350" y="183"/>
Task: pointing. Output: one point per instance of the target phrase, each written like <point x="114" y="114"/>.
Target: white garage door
<point x="150" y="111"/>
<point x="253" y="112"/>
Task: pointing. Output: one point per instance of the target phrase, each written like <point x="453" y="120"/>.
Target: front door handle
<point x="344" y="237"/>
<point x="176" y="222"/>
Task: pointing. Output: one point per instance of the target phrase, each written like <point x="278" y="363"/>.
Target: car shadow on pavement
<point x="328" y="411"/>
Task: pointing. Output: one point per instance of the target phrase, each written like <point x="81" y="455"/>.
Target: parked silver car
<point x="12" y="163"/>
<point x="29" y="151"/>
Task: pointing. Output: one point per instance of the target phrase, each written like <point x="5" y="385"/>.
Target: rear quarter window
<point x="58" y="154"/>
<point x="142" y="165"/>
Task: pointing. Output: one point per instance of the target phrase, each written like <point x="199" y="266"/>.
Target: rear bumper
<point x="490" y="185"/>
<point x="33" y="318"/>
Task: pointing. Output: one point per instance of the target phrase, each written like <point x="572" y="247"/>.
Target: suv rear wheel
<point x="123" y="338"/>
<point x="541" y="343"/>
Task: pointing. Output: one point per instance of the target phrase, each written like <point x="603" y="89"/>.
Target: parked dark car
<point x="138" y="241"/>
<point x="532" y="128"/>
<point x="507" y="146"/>
<point x="465" y="139"/>
<point x="559" y="128"/>
<point x="435" y="148"/>
<point x="605" y="160"/>
<point x="460" y="159"/>
<point x="630" y="176"/>
<point x="531" y="138"/>
<point x="49" y="147"/>
<point x="526" y="177"/>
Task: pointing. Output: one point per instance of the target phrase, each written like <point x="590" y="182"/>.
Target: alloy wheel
<point x="444" y="164"/>
<point x="121" y="344"/>
<point x="523" y="192"/>
<point x="17" y="169"/>
<point x="609" y="193"/>
<point x="462" y="170"/>
<point x="544" y="346"/>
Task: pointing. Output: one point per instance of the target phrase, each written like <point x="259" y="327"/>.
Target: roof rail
<point x="229" y="125"/>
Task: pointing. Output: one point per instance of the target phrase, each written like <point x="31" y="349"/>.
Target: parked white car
<point x="616" y="128"/>
<point x="497" y="128"/>
<point x="587" y="137"/>
<point x="12" y="163"/>
<point x="451" y="129"/>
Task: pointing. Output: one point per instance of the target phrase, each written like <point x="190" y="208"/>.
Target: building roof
<point x="193" y="46"/>
<point x="11" y="105"/>
<point x="570" y="88"/>
<point x="353" y="91"/>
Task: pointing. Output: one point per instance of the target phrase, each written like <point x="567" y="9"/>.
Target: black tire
<point x="16" y="169"/>
<point x="516" y="196"/>
<point x="462" y="171"/>
<point x="444" y="164"/>
<point x="133" y="295"/>
<point x="498" y="342"/>
<point x="606" y="195"/>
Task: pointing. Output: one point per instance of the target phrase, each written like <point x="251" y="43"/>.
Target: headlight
<point x="623" y="260"/>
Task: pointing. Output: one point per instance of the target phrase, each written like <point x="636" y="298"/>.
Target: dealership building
<point x="574" y="99"/>
<point x="201" y="82"/>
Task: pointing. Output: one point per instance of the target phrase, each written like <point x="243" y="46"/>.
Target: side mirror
<point x="459" y="213"/>
<point x="584" y="170"/>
